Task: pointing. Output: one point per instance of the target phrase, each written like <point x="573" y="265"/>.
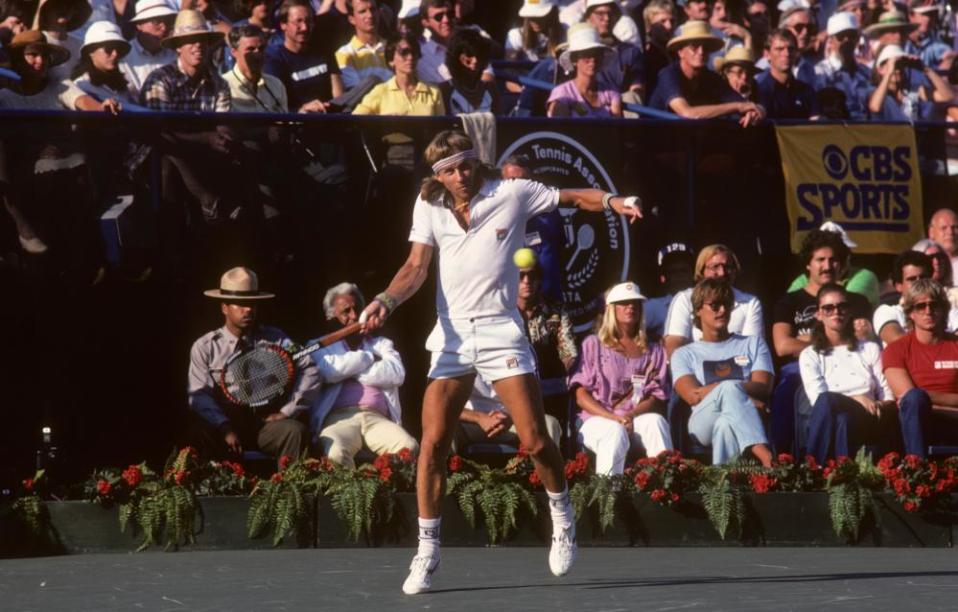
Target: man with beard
<point x="840" y="69"/>
<point x="220" y="428"/>
<point x="824" y="255"/>
<point x="153" y="21"/>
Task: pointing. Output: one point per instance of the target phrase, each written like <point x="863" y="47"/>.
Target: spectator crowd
<point x="845" y="360"/>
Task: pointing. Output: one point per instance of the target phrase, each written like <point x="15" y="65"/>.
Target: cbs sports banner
<point x="863" y="177"/>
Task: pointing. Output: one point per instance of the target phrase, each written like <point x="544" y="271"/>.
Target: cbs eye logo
<point x="835" y="162"/>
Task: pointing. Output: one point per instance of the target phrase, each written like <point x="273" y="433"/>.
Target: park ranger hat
<point x="532" y="9"/>
<point x="238" y="284"/>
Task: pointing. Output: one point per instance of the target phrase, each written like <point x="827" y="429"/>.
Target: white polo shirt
<point x="477" y="276"/>
<point x="746" y="319"/>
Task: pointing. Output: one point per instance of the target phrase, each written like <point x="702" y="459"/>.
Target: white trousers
<point x="610" y="441"/>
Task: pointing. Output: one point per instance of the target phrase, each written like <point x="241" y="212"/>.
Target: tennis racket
<point x="265" y="373"/>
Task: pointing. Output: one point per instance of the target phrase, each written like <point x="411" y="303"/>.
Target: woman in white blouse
<point x="844" y="381"/>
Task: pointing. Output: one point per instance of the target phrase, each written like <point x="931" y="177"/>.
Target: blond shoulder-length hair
<point x="607" y="329"/>
<point x="923" y="289"/>
<point x="711" y="251"/>
<point x="444" y="144"/>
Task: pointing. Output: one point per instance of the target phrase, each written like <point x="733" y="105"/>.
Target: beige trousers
<point x="345" y="431"/>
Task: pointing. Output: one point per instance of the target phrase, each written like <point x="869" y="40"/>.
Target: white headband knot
<point x="453" y="160"/>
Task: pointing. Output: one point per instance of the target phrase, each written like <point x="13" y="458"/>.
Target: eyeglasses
<point x="406" y="52"/>
<point x="925" y="306"/>
<point x="718" y="306"/>
<point x="911" y="279"/>
<point x="801" y="27"/>
<point x="720" y="266"/>
<point x="829" y="309"/>
<point x="441" y="16"/>
<point x="603" y="13"/>
<point x="530" y="274"/>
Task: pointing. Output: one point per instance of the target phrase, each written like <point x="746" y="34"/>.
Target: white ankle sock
<point x="429" y="536"/>
<point x="560" y="507"/>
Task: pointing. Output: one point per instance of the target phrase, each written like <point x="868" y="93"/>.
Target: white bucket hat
<point x="624" y="292"/>
<point x="842" y="22"/>
<point x="151" y="9"/>
<point x="101" y="32"/>
<point x="831" y="226"/>
<point x="888" y="52"/>
<point x="581" y="37"/>
<point x="532" y="9"/>
<point x="590" y="3"/>
<point x="409" y="8"/>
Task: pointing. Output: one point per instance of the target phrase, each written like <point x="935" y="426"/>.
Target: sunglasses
<point x="926" y="306"/>
<point x="406" y="52"/>
<point x="829" y="309"/>
<point x="801" y="27"/>
<point x="441" y="16"/>
<point x="718" y="306"/>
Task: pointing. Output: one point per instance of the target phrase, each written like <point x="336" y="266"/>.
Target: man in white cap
<point x="856" y="279"/>
<point x="474" y="222"/>
<point x="840" y="69"/>
<point x="924" y="41"/>
<point x="223" y="429"/>
<point x="153" y="21"/>
<point x="689" y="89"/>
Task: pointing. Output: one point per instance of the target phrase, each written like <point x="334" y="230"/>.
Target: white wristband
<point x="631" y="202"/>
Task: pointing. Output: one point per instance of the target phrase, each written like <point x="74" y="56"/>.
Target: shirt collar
<point x="138" y="46"/>
<point x="358" y="45"/>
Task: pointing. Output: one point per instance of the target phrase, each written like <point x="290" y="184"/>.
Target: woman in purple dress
<point x="584" y="95"/>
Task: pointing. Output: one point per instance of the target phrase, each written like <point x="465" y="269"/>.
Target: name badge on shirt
<point x="533" y="238"/>
<point x="741" y="360"/>
<point x="501" y="234"/>
<point x="309" y="73"/>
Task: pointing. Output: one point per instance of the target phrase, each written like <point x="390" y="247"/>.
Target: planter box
<point x="687" y="524"/>
<point x="402" y="530"/>
<point x="223" y="527"/>
<point x="83" y="527"/>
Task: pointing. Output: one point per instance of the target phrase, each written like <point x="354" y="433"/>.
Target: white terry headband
<point x="453" y="160"/>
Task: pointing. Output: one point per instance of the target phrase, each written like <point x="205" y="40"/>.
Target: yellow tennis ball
<point x="524" y="258"/>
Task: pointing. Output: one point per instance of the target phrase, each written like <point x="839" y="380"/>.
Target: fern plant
<point x="163" y="507"/>
<point x="285" y="505"/>
<point x="723" y="497"/>
<point x="361" y="500"/>
<point x="599" y="491"/>
<point x="851" y="486"/>
<point x="31" y="511"/>
<point x="497" y="494"/>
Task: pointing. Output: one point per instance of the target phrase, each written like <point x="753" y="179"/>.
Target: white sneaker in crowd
<point x="563" y="551"/>
<point x="420" y="574"/>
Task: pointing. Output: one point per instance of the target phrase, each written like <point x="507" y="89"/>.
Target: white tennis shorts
<point x="493" y="347"/>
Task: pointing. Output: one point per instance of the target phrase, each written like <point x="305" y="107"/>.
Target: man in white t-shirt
<point x="475" y="221"/>
<point x="889" y="320"/>
<point x="714" y="261"/>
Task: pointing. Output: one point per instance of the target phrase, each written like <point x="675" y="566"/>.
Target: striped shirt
<point x="358" y="60"/>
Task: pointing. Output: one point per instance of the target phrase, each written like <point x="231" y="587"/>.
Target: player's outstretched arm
<point x="596" y="200"/>
<point x="407" y="281"/>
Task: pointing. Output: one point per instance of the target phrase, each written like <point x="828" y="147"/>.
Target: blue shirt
<point x="305" y="75"/>
<point x="544" y="236"/>
<point x="930" y="49"/>
<point x="911" y="108"/>
<point x="855" y="85"/>
<point x="624" y="68"/>
<point x="708" y="89"/>
<point x="733" y="359"/>
<point x="793" y="100"/>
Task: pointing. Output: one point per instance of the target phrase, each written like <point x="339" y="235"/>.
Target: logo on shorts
<point x="501" y="234"/>
<point x="595" y="251"/>
<point x="512" y="362"/>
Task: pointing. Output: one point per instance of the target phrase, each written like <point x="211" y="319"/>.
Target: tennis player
<point x="474" y="221"/>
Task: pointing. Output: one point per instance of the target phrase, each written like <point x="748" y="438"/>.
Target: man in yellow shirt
<point x="404" y="93"/>
<point x="363" y="55"/>
<point x="252" y="91"/>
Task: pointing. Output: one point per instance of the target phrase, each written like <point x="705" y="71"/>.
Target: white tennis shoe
<point x="420" y="574"/>
<point x="563" y="551"/>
